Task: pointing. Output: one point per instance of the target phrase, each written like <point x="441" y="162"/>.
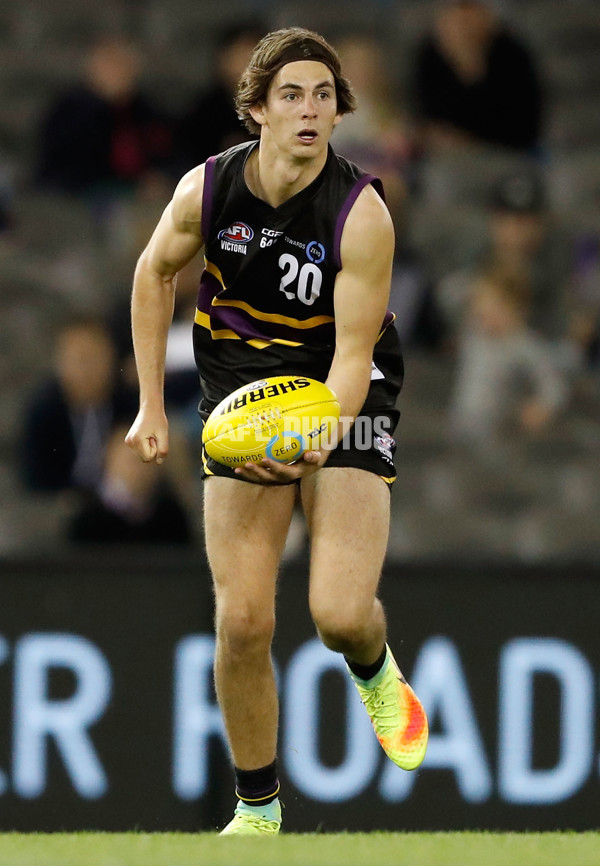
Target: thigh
<point x="245" y="530"/>
<point x="348" y="514"/>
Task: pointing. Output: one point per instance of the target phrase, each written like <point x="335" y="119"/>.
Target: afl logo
<point x="237" y="233"/>
<point x="315" y="252"/>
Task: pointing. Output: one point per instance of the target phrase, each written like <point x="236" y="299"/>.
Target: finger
<point x="139" y="447"/>
<point x="160" y="449"/>
<point x="152" y="447"/>
<point x="256" y="472"/>
<point x="268" y="474"/>
<point x="311" y="456"/>
<point x="251" y="476"/>
<point x="281" y="471"/>
<point x="146" y="449"/>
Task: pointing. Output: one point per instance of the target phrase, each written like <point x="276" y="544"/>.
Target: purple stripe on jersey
<point x="209" y="288"/>
<point x="235" y="320"/>
<point x="356" y="190"/>
<point x="387" y="319"/>
<point x="343" y="216"/>
<point x="248" y="328"/>
<point x="207" y="196"/>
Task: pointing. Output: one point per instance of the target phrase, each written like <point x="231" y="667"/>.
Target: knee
<point x="340" y="630"/>
<point x="243" y="630"/>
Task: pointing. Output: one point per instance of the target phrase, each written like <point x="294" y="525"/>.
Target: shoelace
<point x="259" y="823"/>
<point x="385" y="711"/>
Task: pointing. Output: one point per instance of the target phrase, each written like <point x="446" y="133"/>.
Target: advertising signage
<point x="108" y="718"/>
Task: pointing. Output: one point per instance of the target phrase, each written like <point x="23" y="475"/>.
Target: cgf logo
<point x="269" y="237"/>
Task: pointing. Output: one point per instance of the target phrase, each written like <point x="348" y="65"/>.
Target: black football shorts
<point x="368" y="445"/>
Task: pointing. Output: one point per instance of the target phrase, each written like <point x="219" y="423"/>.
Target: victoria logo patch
<point x="235" y="238"/>
<point x="239" y="233"/>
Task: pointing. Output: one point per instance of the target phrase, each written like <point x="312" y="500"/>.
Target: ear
<point x="257" y="114"/>
<point x="337" y="119"/>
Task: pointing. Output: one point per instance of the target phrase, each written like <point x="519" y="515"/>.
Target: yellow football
<point x="280" y="417"/>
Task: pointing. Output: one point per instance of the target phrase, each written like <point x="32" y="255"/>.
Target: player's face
<point x="300" y="111"/>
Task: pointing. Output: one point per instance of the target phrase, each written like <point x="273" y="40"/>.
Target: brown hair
<point x="275" y="50"/>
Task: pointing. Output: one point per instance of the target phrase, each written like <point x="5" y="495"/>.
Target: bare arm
<point x="361" y="296"/>
<point x="176" y="240"/>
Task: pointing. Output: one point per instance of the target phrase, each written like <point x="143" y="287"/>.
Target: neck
<point x="275" y="176"/>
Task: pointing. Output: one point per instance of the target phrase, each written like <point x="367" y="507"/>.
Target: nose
<point x="309" y="109"/>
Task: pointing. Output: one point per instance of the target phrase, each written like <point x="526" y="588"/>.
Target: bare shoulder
<point x="368" y="228"/>
<point x="178" y="235"/>
<point x="187" y="199"/>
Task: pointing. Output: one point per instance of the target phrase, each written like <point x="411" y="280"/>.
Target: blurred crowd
<point x="504" y="294"/>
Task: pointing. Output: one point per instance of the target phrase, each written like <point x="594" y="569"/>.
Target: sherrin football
<point x="280" y="417"/>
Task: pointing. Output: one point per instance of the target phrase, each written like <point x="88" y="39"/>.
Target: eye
<point x="324" y="94"/>
<point x="290" y="96"/>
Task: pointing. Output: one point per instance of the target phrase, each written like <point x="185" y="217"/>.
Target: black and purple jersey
<point x="266" y="299"/>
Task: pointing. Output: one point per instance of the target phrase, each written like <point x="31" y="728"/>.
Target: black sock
<point x="257" y="787"/>
<point x="367" y="672"/>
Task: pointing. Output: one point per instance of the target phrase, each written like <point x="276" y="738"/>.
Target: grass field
<point x="360" y="849"/>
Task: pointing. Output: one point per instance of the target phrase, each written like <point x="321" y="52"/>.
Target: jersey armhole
<point x="207" y="196"/>
<point x="354" y="193"/>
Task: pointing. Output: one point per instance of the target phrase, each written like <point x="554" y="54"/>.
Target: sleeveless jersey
<point x="265" y="304"/>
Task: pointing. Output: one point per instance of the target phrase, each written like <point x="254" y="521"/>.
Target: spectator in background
<point x="6" y="199"/>
<point x="211" y="125"/>
<point x="104" y="137"/>
<point x="182" y="383"/>
<point x="506" y="374"/>
<point x="377" y="135"/>
<point x="72" y="445"/>
<point x="70" y="417"/>
<point x="586" y="286"/>
<point x="134" y="503"/>
<point x="476" y="82"/>
<point x="524" y="241"/>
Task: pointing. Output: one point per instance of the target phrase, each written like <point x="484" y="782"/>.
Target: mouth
<point x="307" y="136"/>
